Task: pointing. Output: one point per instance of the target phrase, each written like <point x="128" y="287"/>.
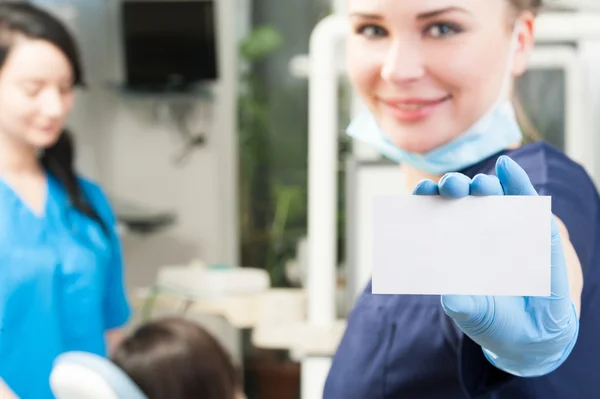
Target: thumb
<point x="513" y="178"/>
<point x="468" y="311"/>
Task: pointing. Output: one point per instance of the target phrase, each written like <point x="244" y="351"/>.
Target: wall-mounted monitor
<point x="169" y="45"/>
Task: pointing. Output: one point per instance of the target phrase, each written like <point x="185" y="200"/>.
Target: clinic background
<point x="218" y="178"/>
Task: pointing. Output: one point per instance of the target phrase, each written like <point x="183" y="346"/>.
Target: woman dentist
<point x="61" y="286"/>
<point x="436" y="77"/>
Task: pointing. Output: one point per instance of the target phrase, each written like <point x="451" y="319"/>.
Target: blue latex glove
<point x="524" y="336"/>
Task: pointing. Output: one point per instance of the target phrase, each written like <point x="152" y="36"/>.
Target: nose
<point x="403" y="63"/>
<point x="52" y="104"/>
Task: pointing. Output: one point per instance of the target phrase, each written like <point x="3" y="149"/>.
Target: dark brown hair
<point x="174" y="358"/>
<point x="26" y="20"/>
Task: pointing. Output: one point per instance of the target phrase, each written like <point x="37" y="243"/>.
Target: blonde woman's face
<point x="428" y="69"/>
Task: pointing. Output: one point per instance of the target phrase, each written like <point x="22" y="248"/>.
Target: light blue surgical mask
<point x="495" y="131"/>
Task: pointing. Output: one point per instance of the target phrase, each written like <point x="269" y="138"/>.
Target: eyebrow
<point x="365" y="15"/>
<point x="425" y="15"/>
<point x="436" y="13"/>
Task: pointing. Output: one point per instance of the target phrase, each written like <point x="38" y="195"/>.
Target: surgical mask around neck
<point x="495" y="131"/>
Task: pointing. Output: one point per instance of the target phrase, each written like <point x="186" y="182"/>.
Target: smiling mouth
<point x="49" y="128"/>
<point x="413" y="109"/>
<point x="413" y="105"/>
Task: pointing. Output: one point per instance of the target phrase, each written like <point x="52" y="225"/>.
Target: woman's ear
<point x="525" y="43"/>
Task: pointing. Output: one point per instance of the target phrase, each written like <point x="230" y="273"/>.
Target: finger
<point x="513" y="178"/>
<point x="426" y="187"/>
<point x="454" y="185"/>
<point x="459" y="307"/>
<point x="468" y="311"/>
<point x="483" y="185"/>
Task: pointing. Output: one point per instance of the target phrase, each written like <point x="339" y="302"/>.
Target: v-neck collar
<point x="50" y="191"/>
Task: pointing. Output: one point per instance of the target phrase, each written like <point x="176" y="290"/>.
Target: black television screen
<point x="169" y="44"/>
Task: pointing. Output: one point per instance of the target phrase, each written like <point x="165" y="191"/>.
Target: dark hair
<point x="25" y="20"/>
<point x="174" y="358"/>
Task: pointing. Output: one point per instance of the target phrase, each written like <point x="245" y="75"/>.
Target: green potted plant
<point x="265" y="207"/>
<point x="257" y="207"/>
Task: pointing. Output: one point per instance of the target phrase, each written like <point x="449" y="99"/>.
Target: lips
<point x="413" y="103"/>
<point x="48" y="128"/>
<point x="412" y="109"/>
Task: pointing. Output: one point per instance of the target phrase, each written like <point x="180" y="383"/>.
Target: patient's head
<point x="177" y="359"/>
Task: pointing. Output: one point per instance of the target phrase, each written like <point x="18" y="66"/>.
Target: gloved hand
<point x="524" y="336"/>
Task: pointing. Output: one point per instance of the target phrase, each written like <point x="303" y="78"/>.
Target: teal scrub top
<point x="406" y="347"/>
<point x="61" y="284"/>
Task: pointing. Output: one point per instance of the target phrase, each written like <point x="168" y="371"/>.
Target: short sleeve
<point x="576" y="205"/>
<point x="117" y="310"/>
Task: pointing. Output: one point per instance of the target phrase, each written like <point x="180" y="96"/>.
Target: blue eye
<point x="442" y="30"/>
<point x="371" y="31"/>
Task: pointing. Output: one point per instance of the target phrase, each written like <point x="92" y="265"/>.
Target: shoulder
<point x="551" y="170"/>
<point x="92" y="189"/>
<point x="97" y="197"/>
<point x="545" y="163"/>
<point x="575" y="198"/>
<point x="89" y="186"/>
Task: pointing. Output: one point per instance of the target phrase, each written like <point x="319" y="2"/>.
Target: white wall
<point x="591" y="55"/>
<point x="123" y="146"/>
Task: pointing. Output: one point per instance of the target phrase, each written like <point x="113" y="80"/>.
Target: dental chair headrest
<point x="79" y="375"/>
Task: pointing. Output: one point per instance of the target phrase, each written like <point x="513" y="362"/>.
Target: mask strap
<point x="511" y="56"/>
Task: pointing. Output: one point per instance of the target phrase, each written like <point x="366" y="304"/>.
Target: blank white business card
<point x="497" y="245"/>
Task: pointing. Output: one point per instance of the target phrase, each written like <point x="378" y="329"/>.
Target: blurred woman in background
<point x="61" y="272"/>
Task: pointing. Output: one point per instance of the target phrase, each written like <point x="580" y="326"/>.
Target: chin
<point x="44" y="141"/>
<point x="417" y="139"/>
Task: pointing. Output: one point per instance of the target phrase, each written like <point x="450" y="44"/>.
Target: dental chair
<point x="79" y="375"/>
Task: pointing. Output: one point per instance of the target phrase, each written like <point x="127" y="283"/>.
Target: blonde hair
<point x="527" y="5"/>
<point x="530" y="132"/>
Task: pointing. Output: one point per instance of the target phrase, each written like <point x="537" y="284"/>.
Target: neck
<point x="16" y="157"/>
<point x="412" y="176"/>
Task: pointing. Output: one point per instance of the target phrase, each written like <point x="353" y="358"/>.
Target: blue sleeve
<point x="575" y="202"/>
<point x="117" y="310"/>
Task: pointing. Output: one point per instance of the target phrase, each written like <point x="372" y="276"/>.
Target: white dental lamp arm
<point x="322" y="190"/>
<point x="323" y="168"/>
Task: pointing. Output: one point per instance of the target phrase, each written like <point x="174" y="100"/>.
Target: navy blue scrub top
<point x="404" y="346"/>
<point x="61" y="285"/>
